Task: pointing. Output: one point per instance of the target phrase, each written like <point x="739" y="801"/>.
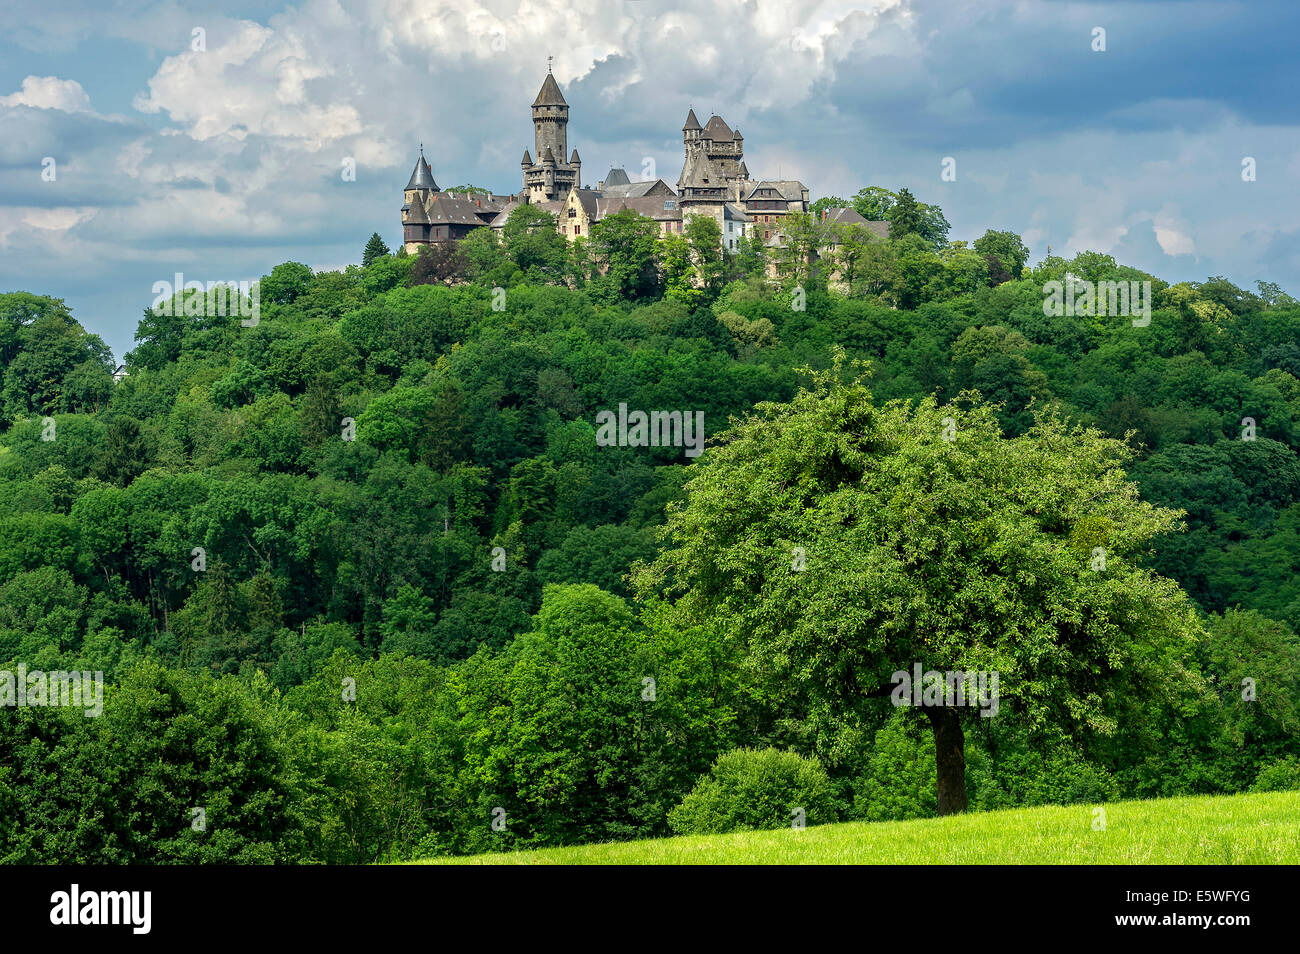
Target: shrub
<point x="749" y="789"/>
<point x="1280" y="775"/>
<point x="898" y="781"/>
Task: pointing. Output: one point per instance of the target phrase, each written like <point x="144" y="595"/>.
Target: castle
<point x="714" y="181"/>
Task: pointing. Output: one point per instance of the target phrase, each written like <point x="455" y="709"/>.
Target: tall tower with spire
<point x="552" y="175"/>
<point x="421" y="187"/>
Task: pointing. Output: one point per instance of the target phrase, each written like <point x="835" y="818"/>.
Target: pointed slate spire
<point x="422" y="176"/>
<point x="574" y="159"/>
<point x="691" y="121"/>
<point x="549" y="94"/>
<point x="527" y="160"/>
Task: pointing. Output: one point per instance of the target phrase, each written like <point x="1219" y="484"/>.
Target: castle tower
<point x="419" y="190"/>
<point x="713" y="167"/>
<point x="691" y="130"/>
<point x="550" y="178"/>
<point x="551" y="119"/>
<point x="421" y="178"/>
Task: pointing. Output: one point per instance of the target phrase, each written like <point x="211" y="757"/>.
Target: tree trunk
<point x="950" y="759"/>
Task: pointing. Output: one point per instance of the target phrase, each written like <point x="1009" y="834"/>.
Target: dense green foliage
<point x="398" y="639"/>
<point x="749" y="790"/>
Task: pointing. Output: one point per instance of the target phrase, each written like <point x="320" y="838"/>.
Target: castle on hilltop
<point x="714" y="181"/>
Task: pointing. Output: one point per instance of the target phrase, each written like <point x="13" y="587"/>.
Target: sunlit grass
<point x="1232" y="829"/>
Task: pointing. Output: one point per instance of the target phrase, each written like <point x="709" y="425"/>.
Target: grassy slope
<point x="1232" y="829"/>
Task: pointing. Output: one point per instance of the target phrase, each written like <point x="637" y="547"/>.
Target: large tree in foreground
<point x="925" y="536"/>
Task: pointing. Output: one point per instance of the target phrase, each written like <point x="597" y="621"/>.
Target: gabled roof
<point x="734" y="213"/>
<point x="422" y="176"/>
<point x="589" y="199"/>
<point x="444" y="210"/>
<point x="691" y="121"/>
<point x="851" y="217"/>
<point x="843" y="216"/>
<point x="413" y="213"/>
<point x="693" y="173"/>
<point x="549" y="94"/>
<point x="651" y="206"/>
<point x="637" y="189"/>
<point x="789" y="189"/>
<point x="717" y="130"/>
<point x="500" y="218"/>
<point x="616" y="177"/>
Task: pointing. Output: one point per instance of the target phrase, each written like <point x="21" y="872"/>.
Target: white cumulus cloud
<point x="50" y="92"/>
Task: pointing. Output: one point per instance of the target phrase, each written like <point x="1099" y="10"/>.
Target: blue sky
<point x="222" y="161"/>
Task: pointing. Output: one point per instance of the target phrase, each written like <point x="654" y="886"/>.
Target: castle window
<point x="577" y="229"/>
<point x="573" y="213"/>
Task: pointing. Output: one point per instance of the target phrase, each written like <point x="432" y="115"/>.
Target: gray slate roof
<point x="691" y="121"/>
<point x="415" y="214"/>
<point x="789" y="189"/>
<point x="422" y="176"/>
<point x="637" y="189"/>
<point x="616" y="177"/>
<point x="549" y="94"/>
<point x="851" y="217"/>
<point x="500" y="218"/>
<point x="843" y="216"/>
<point x="717" y="130"/>
<point x="589" y="200"/>
<point x="651" y="206"/>
<point x="735" y="213"/>
<point x="694" y="173"/>
<point x="444" y="210"/>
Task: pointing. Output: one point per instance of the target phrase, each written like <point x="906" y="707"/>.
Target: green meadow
<point x="1213" y="830"/>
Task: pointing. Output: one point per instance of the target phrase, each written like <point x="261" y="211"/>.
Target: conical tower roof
<point x="422" y="176"/>
<point x="691" y="121"/>
<point x="717" y="130"/>
<point x="549" y="94"/>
